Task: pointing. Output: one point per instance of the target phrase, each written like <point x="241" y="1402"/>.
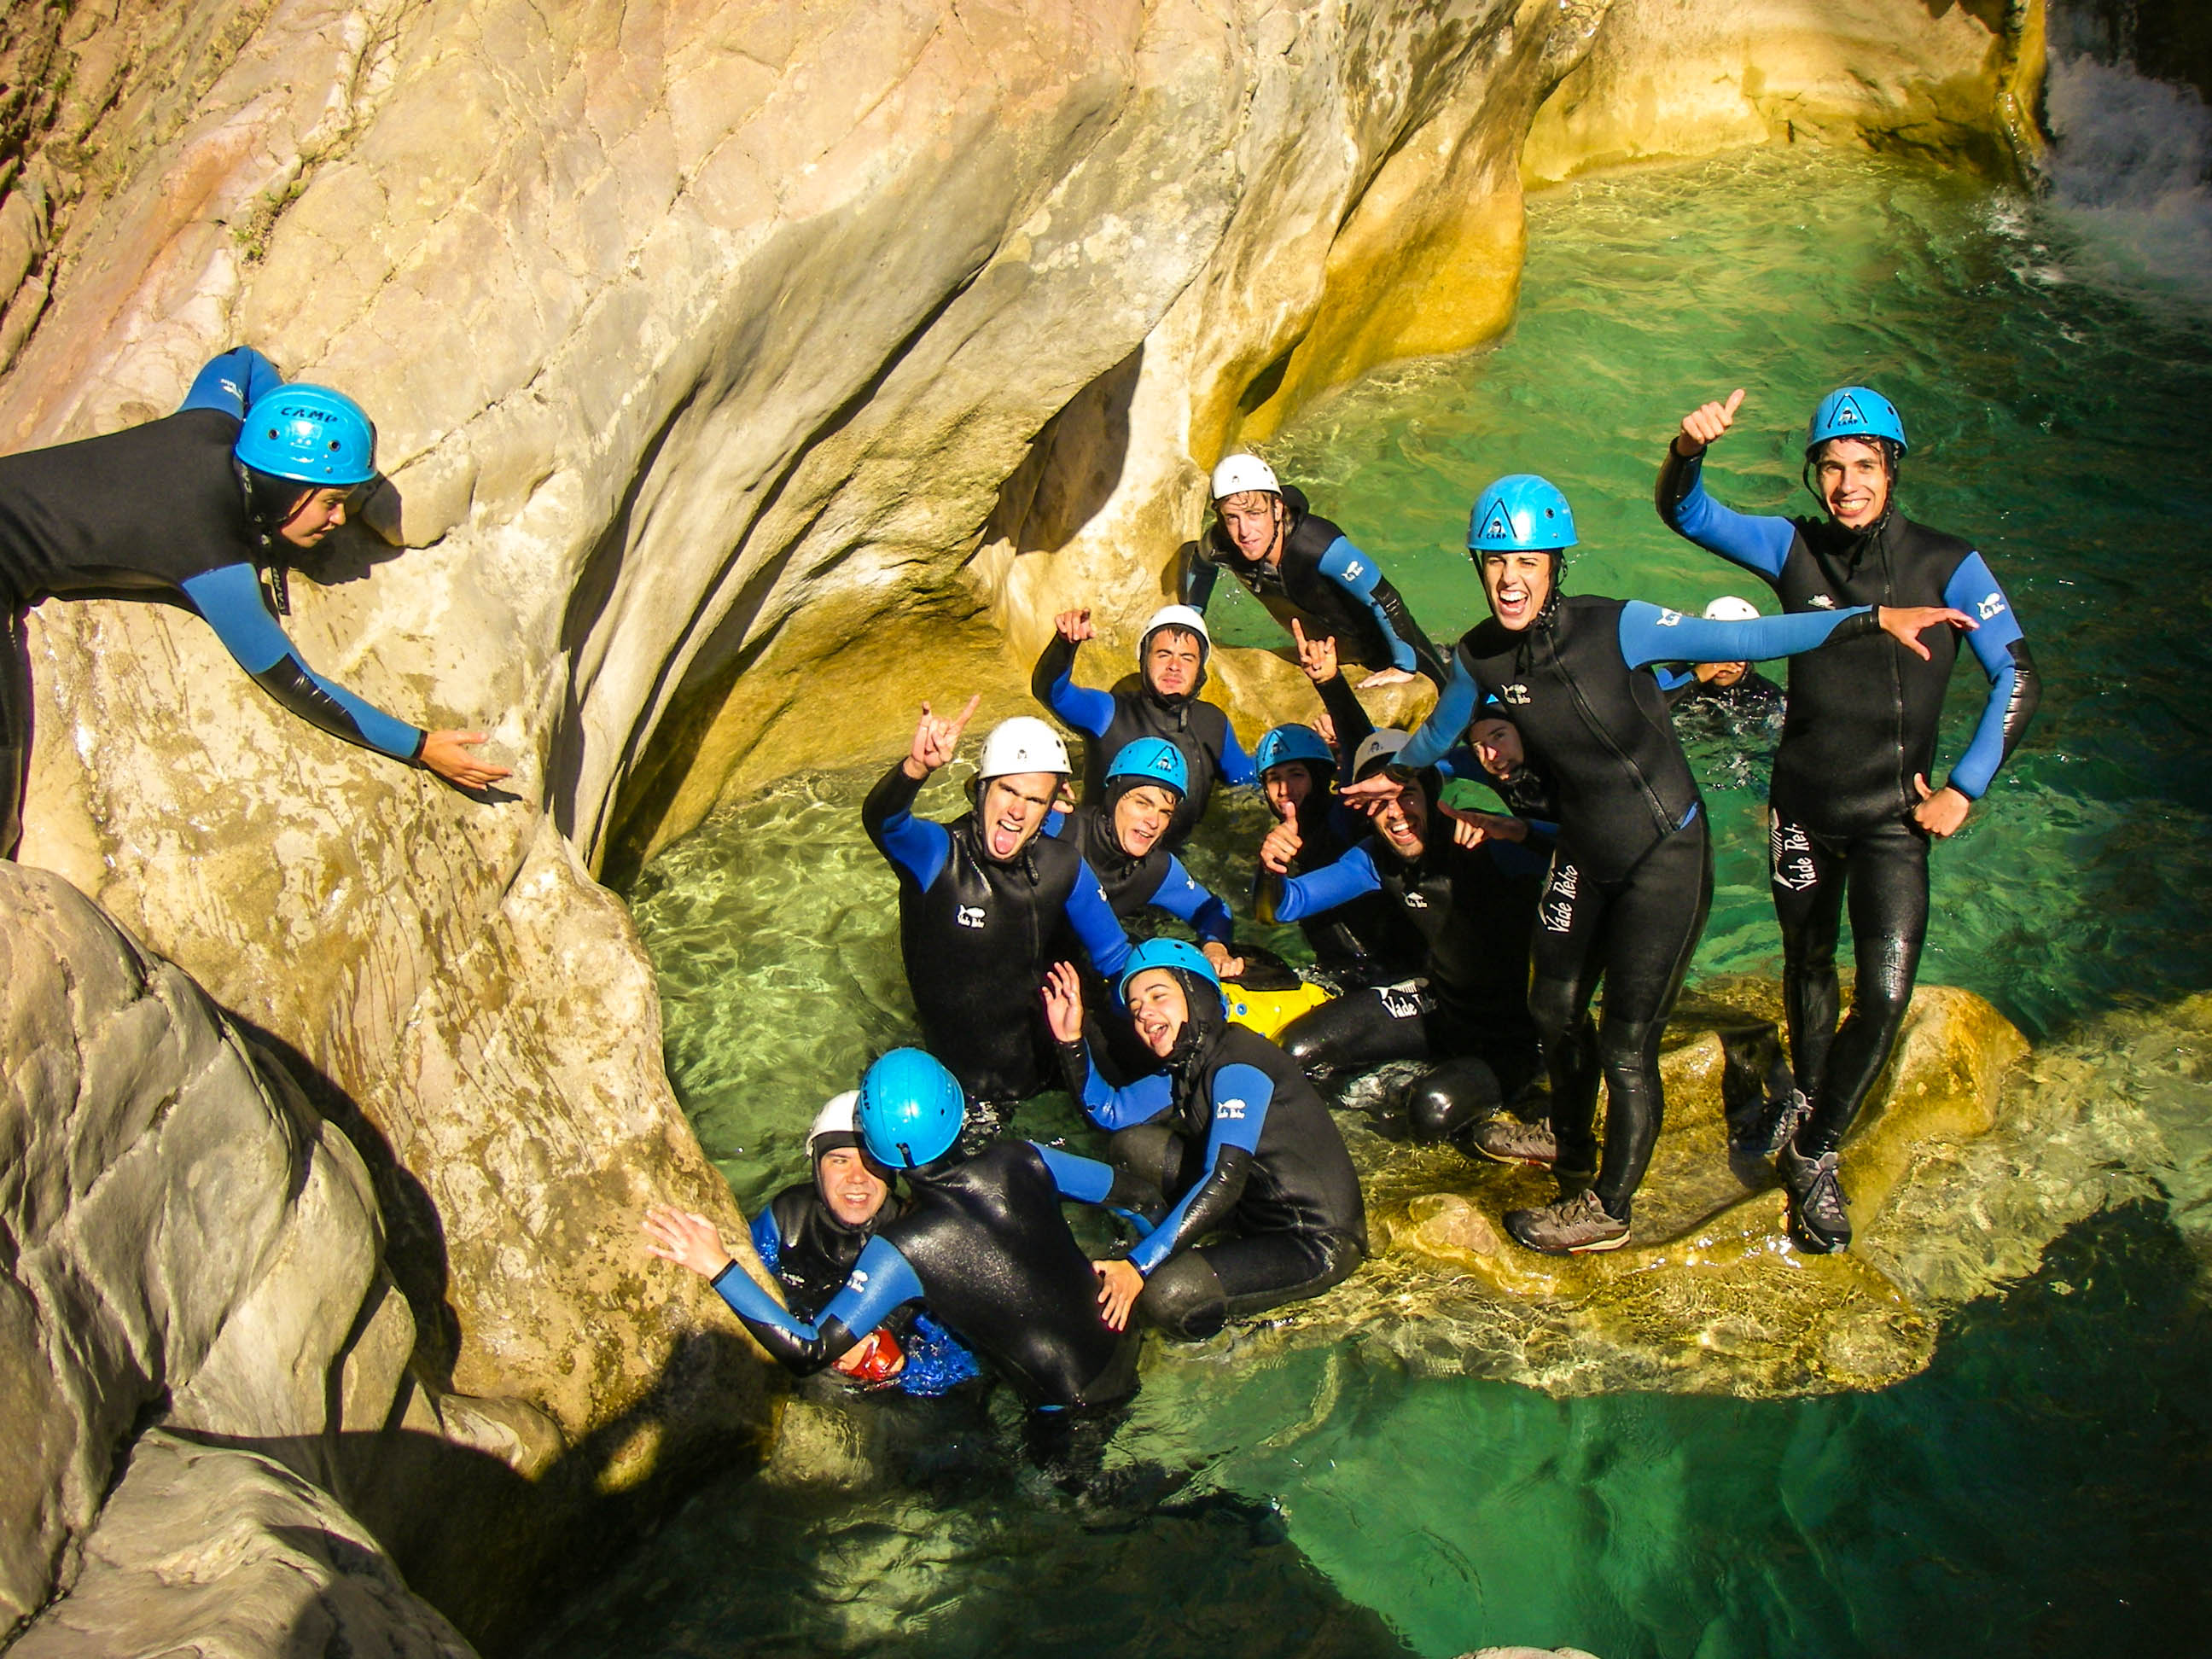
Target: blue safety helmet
<point x="1853" y="411"/>
<point x="911" y="1109"/>
<point x="1291" y="743"/>
<point x="310" y="434"/>
<point x="1166" y="953"/>
<point x="1519" y="513"/>
<point x="1152" y="760"/>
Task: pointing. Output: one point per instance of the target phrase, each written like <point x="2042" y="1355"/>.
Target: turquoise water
<point x="2045" y="1486"/>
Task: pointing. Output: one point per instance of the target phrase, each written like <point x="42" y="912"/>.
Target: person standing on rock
<point x="982" y="1241"/>
<point x="987" y="903"/>
<point x="1633" y="876"/>
<point x="1850" y="810"/>
<point x="1303" y="567"/>
<point x="206" y="508"/>
<point x="1165" y="703"/>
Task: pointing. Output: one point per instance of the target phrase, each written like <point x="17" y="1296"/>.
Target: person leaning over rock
<point x="201" y="509"/>
<point x="1171" y="668"/>
<point x="982" y="1241"/>
<point x="987" y="903"/>
<point x="1303" y="568"/>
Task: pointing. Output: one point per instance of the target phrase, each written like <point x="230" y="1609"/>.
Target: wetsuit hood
<point x="1203" y="1027"/>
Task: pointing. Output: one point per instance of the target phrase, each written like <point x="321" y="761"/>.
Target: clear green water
<point x="2046" y="1486"/>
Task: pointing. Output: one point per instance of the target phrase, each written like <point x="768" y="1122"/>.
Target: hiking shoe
<point x="1573" y="1226"/>
<point x="1818" y="1220"/>
<point x="1779" y="1120"/>
<point x="1509" y="1140"/>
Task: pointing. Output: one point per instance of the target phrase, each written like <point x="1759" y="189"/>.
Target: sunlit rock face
<point x="747" y="373"/>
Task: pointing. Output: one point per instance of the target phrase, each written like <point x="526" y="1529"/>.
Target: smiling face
<point x="1141" y="818"/>
<point x="1287" y="786"/>
<point x="1496" y="744"/>
<point x="1852" y="478"/>
<point x="1159" y="1008"/>
<point x="1517" y="585"/>
<point x="1013" y="809"/>
<point x="1403" y="823"/>
<point x="850" y="1184"/>
<point x="1253" y="521"/>
<point x="1172" y="659"/>
<point x="319" y="513"/>
<point x="1722" y="674"/>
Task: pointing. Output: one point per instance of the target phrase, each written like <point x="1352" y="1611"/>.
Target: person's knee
<point x="1452" y="1098"/>
<point x="1556" y="1009"/>
<point x="1183" y="1298"/>
<point x="1308" y="1040"/>
<point x="1881" y="999"/>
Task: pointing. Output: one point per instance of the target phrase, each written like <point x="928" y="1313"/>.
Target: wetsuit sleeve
<point x="1758" y="544"/>
<point x="936" y="1361"/>
<point x="1349" y="716"/>
<point x="1198" y="575"/>
<point x="1290" y="898"/>
<point x="768" y="1240"/>
<point x="1109" y="1108"/>
<point x="1180" y="895"/>
<point x="229" y="598"/>
<point x="1353" y="572"/>
<point x="1240" y="1097"/>
<point x="1095" y="923"/>
<point x="915" y="845"/>
<point x="2014" y="687"/>
<point x="1462" y="764"/>
<point x="1085" y="1180"/>
<point x="1650" y="634"/>
<point x="1235" y="764"/>
<point x="1446" y="723"/>
<point x="882" y="1281"/>
<point x="1053" y="685"/>
<point x="232" y="382"/>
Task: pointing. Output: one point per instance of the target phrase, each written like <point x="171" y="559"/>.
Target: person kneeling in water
<point x="1235" y="1137"/>
<point x="1473" y="906"/>
<point x="1170" y="670"/>
<point x="812" y="1232"/>
<point x="981" y="1241"/>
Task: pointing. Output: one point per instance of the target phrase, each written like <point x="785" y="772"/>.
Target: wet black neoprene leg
<point x="1888" y="889"/>
<point x="1452" y="1097"/>
<point x="1565" y="959"/>
<point x="14" y="731"/>
<point x="1356" y="1030"/>
<point x="1194" y="1292"/>
<point x="1808" y="877"/>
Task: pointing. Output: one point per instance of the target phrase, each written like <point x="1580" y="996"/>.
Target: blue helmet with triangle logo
<point x="1519" y="513"/>
<point x="1854" y="411"/>
<point x="1151" y="760"/>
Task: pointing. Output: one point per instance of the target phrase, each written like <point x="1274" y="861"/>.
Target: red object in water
<point x="876" y="1361"/>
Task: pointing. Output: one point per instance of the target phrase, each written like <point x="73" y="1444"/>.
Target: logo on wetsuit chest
<point x="1992" y="606"/>
<point x="1415" y="901"/>
<point x="1232" y="1110"/>
<point x="1821" y="602"/>
<point x="969" y="915"/>
<point x="1516" y="693"/>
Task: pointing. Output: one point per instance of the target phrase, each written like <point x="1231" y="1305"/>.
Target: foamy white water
<point x="2129" y="166"/>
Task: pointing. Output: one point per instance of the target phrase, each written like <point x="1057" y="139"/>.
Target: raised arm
<point x="1053" y="683"/>
<point x="1241" y="1097"/>
<point x="1292" y="898"/>
<point x="1758" y="544"/>
<point x="1109" y="1108"/>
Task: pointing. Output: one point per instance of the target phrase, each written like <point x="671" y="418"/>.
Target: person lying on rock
<point x="1465" y="1019"/>
<point x="1233" y="1136"/>
<point x="1850" y="803"/>
<point x="1163" y="703"/>
<point x="1305" y="570"/>
<point x="812" y="1232"/>
<point x="981" y="1241"/>
<point x="986" y="905"/>
<point x="205" y="509"/>
<point x="1632" y="880"/>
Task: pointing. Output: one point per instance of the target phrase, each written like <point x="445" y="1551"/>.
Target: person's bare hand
<point x="1281" y="847"/>
<point x="1384" y="676"/>
<point x="1941" y="810"/>
<point x="446" y="753"/>
<point x="1371" y="794"/>
<point x="1120" y="1284"/>
<point x="1472" y="828"/>
<point x="1224" y="965"/>
<point x="1325" y="724"/>
<point x="686" y="1238"/>
<point x="1905" y="622"/>
<point x="1316" y="657"/>
<point x="1074" y="626"/>
<point x="937" y="740"/>
<point x="1706" y="424"/>
<point x="1063" y="1002"/>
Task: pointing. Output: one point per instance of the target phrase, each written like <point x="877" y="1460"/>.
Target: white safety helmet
<point x="1729" y="608"/>
<point x="1238" y="473"/>
<point x="1024" y="743"/>
<point x="837" y="1124"/>
<point x="1380" y="746"/>
<point x="1178" y="615"/>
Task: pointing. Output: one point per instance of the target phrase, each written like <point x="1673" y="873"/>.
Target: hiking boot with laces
<point x="1818" y="1220"/>
<point x="1573" y="1226"/>
<point x="1778" y="1120"/>
<point x="1509" y="1140"/>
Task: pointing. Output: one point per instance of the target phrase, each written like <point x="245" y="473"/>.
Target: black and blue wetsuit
<point x="983" y="1242"/>
<point x="1633" y="876"/>
<point x="159" y="512"/>
<point x="811" y="1252"/>
<point x="1155" y="881"/>
<point x="977" y="935"/>
<point x="1111" y="721"/>
<point x="1237" y="1140"/>
<point x="1860" y="724"/>
<point x="1333" y="589"/>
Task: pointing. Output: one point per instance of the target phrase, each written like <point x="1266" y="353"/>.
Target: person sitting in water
<point x="1303" y="568"/>
<point x="1473" y="907"/>
<point x="1632" y="880"/>
<point x="981" y="1241"/>
<point x="201" y="509"/>
<point x="1734" y="689"/>
<point x="1850" y="803"/>
<point x="985" y="904"/>
<point x="1165" y="703"/>
<point x="811" y="1233"/>
<point x="1233" y="1135"/>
